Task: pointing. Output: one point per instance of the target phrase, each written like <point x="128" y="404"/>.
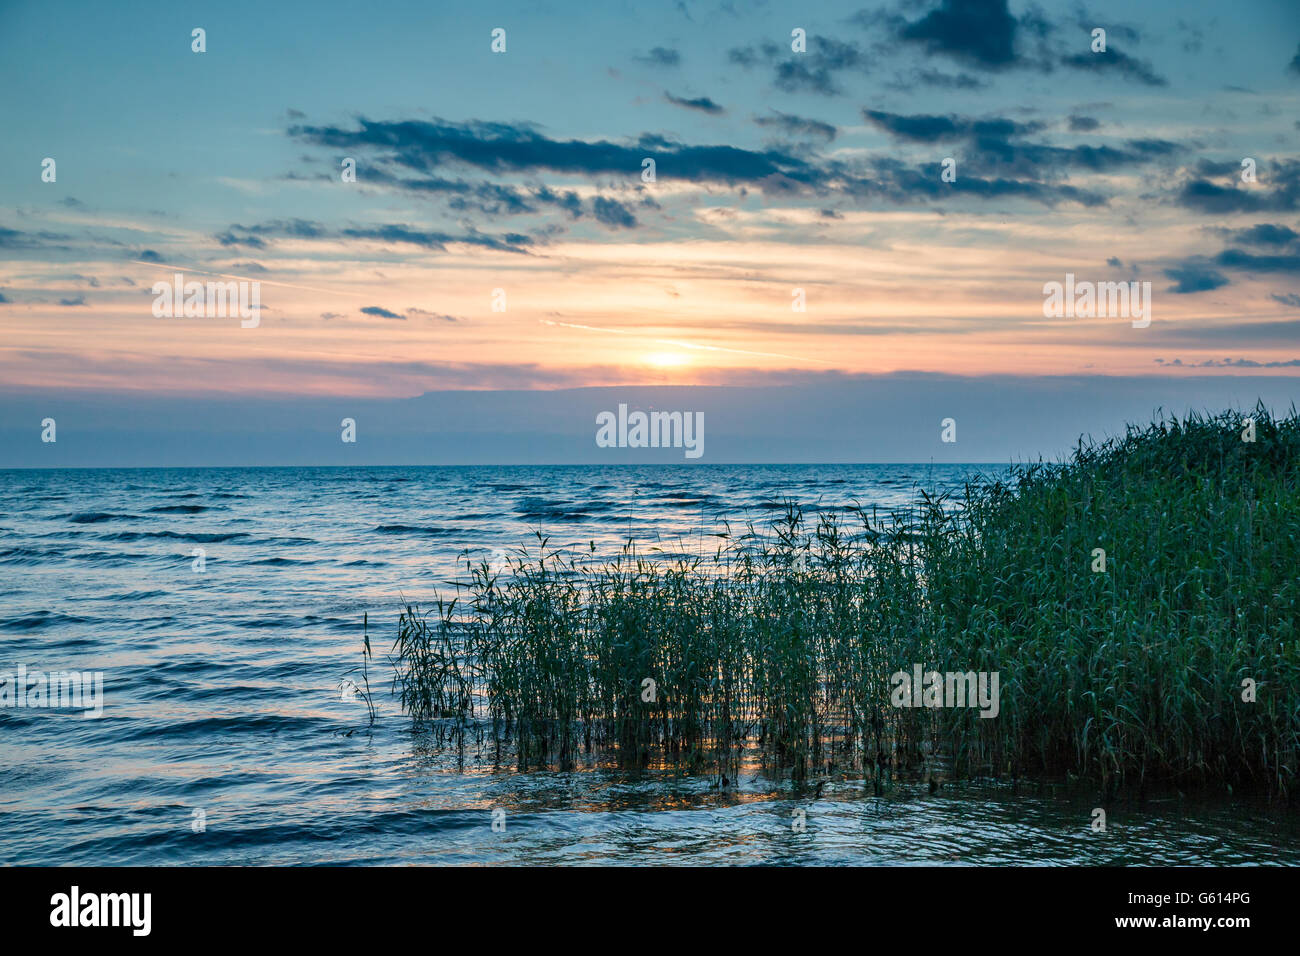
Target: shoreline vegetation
<point x="1172" y="659"/>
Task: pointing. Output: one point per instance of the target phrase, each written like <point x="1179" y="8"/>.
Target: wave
<point x="431" y="530"/>
<point x="94" y="517"/>
<point x="39" y="620"/>
<point x="195" y="536"/>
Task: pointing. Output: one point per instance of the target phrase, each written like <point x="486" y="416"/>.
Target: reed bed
<point x="782" y="640"/>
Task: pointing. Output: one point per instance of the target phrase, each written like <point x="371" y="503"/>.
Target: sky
<point x="501" y="235"/>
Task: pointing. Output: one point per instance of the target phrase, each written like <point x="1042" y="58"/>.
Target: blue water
<point x="222" y="702"/>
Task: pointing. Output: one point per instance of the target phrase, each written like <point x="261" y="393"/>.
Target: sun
<point x="666" y="359"/>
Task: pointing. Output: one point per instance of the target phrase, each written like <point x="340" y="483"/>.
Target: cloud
<point x="613" y="213"/>
<point x="933" y="78"/>
<point x="810" y="72"/>
<point x="1083" y="124"/>
<point x="1287" y="298"/>
<point x="1294" y="65"/>
<point x="923" y="128"/>
<point x="997" y="144"/>
<point x="486" y="197"/>
<point x="4" y="299"/>
<point x="76" y="300"/>
<point x="1191" y="277"/>
<point x="979" y="32"/>
<point x="516" y="148"/>
<point x="413" y="153"/>
<point x="1239" y="259"/>
<point x="986" y="35"/>
<point x="228" y="238"/>
<point x="798" y="125"/>
<point x="1277" y="189"/>
<point x="382" y="313"/>
<point x="149" y="255"/>
<point x="389" y="232"/>
<point x="901" y="183"/>
<point x="431" y="239"/>
<point x="1265" y="234"/>
<point x="431" y="315"/>
<point x="17" y="239"/>
<point x="701" y="103"/>
<point x="1115" y="61"/>
<point x="660" y="56"/>
<point x="1231" y="363"/>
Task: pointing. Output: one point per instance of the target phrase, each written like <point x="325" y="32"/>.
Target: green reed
<point x="782" y="639"/>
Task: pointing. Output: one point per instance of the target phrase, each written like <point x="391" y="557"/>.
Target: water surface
<point x="222" y="686"/>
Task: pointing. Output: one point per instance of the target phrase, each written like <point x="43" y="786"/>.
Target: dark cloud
<point x="149" y="255"/>
<point x="1192" y="277"/>
<point x="613" y="213"/>
<point x="701" y="103"/>
<point x="922" y="128"/>
<point x="1264" y="234"/>
<point x="1287" y="298"/>
<point x="76" y="300"/>
<point x="17" y="239"/>
<point x="798" y="125"/>
<point x="228" y="238"/>
<point x="293" y="228"/>
<point x="1248" y="262"/>
<point x="1294" y="65"/>
<point x="895" y="181"/>
<point x="1277" y="189"/>
<point x="389" y="232"/>
<point x="432" y="239"/>
<point x="810" y="72"/>
<point x="1005" y="166"/>
<point x="4" y="299"/>
<point x="484" y="197"/>
<point x="935" y="79"/>
<point x="1114" y="262"/>
<point x="986" y="35"/>
<point x="1083" y="124"/>
<point x="660" y="56"/>
<point x="980" y="32"/>
<point x="382" y="313"/>
<point x="996" y="144"/>
<point x="1115" y="61"/>
<point x="504" y="147"/>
